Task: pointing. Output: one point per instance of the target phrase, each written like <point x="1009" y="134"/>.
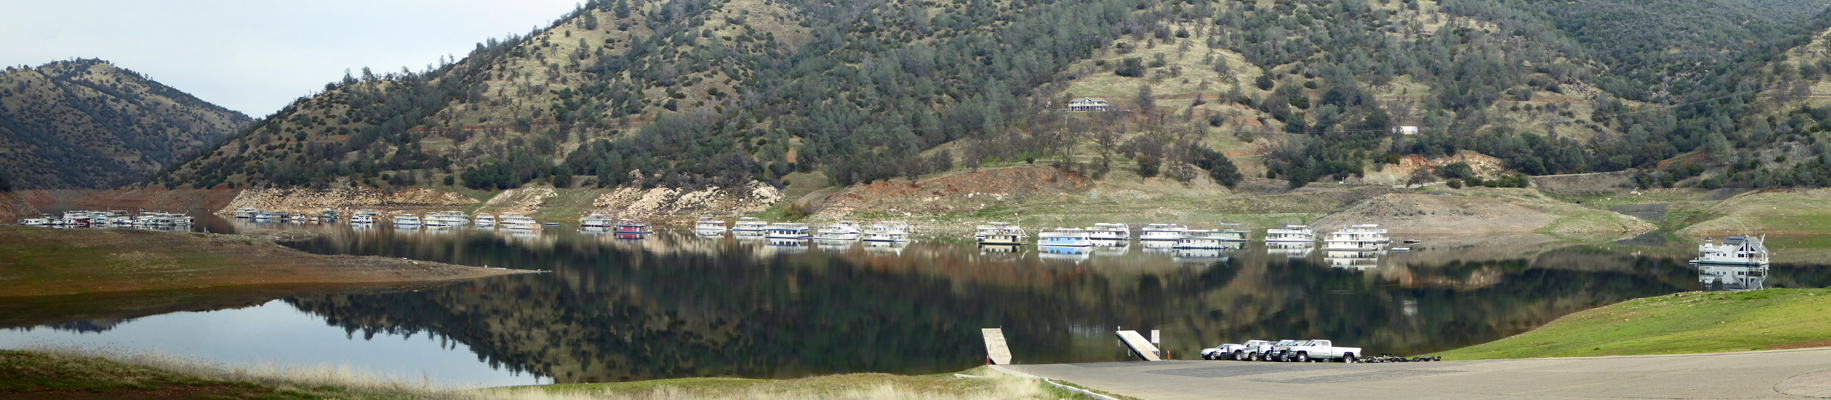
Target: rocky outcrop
<point x="682" y="204"/>
<point x="343" y="199"/>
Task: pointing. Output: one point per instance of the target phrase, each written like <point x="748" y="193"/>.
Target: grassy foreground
<point x="1692" y="322"/>
<point x="56" y="373"/>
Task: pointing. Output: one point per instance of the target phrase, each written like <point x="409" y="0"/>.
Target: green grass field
<point x="1692" y="322"/>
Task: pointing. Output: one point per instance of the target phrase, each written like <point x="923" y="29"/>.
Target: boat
<point x="407" y="220"/>
<point x="246" y="212"/>
<point x="1231" y="232"/>
<point x="35" y="221"/>
<point x="595" y="220"/>
<point x="517" y="222"/>
<point x="1109" y="231"/>
<point x="1000" y="233"/>
<point x="295" y="217"/>
<point x="433" y="220"/>
<point x="328" y="215"/>
<point x="887" y="232"/>
<point x="749" y="224"/>
<point x="1401" y="249"/>
<point x="1162" y="232"/>
<point x="1064" y="237"/>
<point x="709" y="225"/>
<point x="454" y="218"/>
<point x="1210" y="239"/>
<point x="362" y="219"/>
<point x="838" y="232"/>
<point x="1413" y="241"/>
<point x="263" y="216"/>
<point x="1290" y="234"/>
<point x="789" y="231"/>
<point x="1734" y="250"/>
<point x="632" y="227"/>
<point x="1356" y="237"/>
<point x="485" y="220"/>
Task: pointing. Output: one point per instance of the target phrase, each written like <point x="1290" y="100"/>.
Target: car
<point x="1272" y="351"/>
<point x="1322" y="349"/>
<point x="1231" y="351"/>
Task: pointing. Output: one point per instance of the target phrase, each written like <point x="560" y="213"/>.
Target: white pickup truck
<point x="1232" y="351"/>
<point x="1322" y="350"/>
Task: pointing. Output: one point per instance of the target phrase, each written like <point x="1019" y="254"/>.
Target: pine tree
<point x="622" y="8"/>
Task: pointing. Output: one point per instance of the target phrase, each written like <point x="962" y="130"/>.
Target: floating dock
<point x="995" y="348"/>
<point x="1140" y="346"/>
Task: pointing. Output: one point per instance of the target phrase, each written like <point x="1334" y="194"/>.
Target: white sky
<point x="257" y="56"/>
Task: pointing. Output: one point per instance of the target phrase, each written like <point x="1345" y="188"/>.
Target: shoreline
<point x="114" y="273"/>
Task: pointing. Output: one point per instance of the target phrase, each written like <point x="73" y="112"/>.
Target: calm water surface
<point x="679" y="305"/>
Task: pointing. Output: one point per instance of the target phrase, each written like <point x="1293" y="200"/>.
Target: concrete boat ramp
<point x="1776" y="374"/>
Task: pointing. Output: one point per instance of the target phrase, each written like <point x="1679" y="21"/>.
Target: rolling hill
<point x="90" y="124"/>
<point x="690" y="93"/>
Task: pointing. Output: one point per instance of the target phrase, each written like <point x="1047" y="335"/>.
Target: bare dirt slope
<point x="152" y="199"/>
<point x="961" y="193"/>
<point x="13" y="207"/>
<point x="1406" y="213"/>
<point x="1783" y="212"/>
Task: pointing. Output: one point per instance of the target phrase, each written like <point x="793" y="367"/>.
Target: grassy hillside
<point x="1692" y="322"/>
<point x="688" y="93"/>
<point x="91" y="124"/>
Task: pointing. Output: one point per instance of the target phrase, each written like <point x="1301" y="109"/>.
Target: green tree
<point x="622" y="8"/>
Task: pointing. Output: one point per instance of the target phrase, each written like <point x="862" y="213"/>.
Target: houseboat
<point x="749" y="225"/>
<point x="485" y="220"/>
<point x="516" y="222"/>
<point x="1162" y="232"/>
<point x="433" y="220"/>
<point x="407" y="220"/>
<point x="1109" y="231"/>
<point x="362" y="219"/>
<point x="1210" y="239"/>
<point x="454" y="218"/>
<point x="1290" y="234"/>
<point x="709" y="225"/>
<point x="1230" y="231"/>
<point x="264" y="216"/>
<point x="1000" y="233"/>
<point x="633" y="227"/>
<point x="246" y="212"/>
<point x="595" y="220"/>
<point x="1734" y="250"/>
<point x="887" y="232"/>
<point x="786" y="231"/>
<point x="1356" y="237"/>
<point x="839" y="232"/>
<point x="1064" y="237"/>
<point x="327" y="215"/>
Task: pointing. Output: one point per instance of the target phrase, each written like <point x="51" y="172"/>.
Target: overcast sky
<point x="257" y="56"/>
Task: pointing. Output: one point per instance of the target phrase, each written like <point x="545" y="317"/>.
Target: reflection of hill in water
<point x="87" y="326"/>
<point x="681" y="306"/>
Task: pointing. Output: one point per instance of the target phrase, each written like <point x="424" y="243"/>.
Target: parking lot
<point x="1780" y="374"/>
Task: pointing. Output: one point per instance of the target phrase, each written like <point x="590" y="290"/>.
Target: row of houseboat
<point x="110" y="219"/>
<point x="837" y="232"/>
<point x="1356" y="237"/>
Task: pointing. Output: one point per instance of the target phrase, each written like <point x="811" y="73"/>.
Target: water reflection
<point x="683" y="304"/>
<point x="1732" y="277"/>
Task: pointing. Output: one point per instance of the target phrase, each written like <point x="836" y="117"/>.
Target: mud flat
<point x="1514" y="211"/>
<point x="53" y="275"/>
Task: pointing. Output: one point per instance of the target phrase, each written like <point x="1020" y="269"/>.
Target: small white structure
<point x="1087" y="104"/>
<point x="1406" y="130"/>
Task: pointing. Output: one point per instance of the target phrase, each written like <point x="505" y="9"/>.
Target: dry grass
<point x="120" y="373"/>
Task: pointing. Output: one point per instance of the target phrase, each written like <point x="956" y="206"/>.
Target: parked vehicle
<point x="1321" y="349"/>
<point x="1232" y="351"/>
<point x="1268" y="351"/>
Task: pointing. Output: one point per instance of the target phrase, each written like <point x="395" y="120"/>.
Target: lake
<point x="675" y="304"/>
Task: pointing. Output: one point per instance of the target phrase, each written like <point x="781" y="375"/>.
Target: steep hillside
<point x="90" y="124"/>
<point x="692" y="93"/>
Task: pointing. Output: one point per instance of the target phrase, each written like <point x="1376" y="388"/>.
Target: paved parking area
<point x="1779" y="374"/>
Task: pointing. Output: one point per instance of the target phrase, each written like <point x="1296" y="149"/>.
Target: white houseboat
<point x="246" y="212"/>
<point x="887" y="232"/>
<point x="1734" y="250"/>
<point x="1356" y="237"/>
<point x="749" y="225"/>
<point x="839" y="232"/>
<point x="708" y="225"/>
<point x="786" y="231"/>
<point x="407" y="220"/>
<point x="516" y="222"/>
<point x="1290" y="234"/>
<point x="1162" y="232"/>
<point x="1230" y="231"/>
<point x="1109" y="231"/>
<point x="1064" y="237"/>
<point x="595" y="220"/>
<point x="1000" y="233"/>
<point x="485" y="220"/>
<point x="1210" y="239"/>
